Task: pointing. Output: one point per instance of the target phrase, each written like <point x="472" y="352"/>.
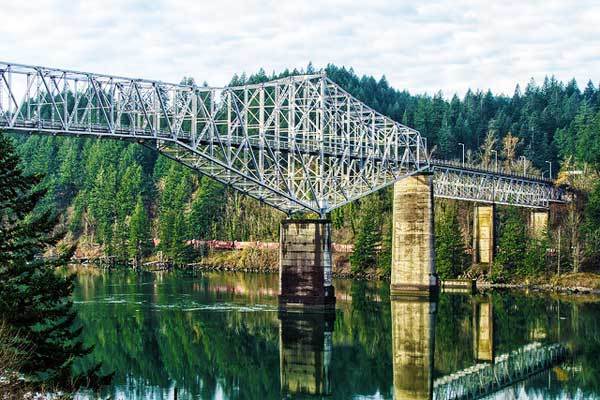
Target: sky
<point x="420" y="46"/>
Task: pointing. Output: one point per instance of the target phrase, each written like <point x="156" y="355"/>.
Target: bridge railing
<point x="494" y="171"/>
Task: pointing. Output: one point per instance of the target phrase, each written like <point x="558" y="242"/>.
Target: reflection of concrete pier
<point x="305" y="342"/>
<point x="413" y="337"/>
<point x="483" y="330"/>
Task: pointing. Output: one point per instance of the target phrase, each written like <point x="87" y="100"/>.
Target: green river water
<point x="219" y="336"/>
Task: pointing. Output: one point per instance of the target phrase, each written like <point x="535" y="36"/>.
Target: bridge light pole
<point x="524" y="165"/>
<point x="463" y="153"/>
<point x="550" y="164"/>
<point x="496" y="157"/>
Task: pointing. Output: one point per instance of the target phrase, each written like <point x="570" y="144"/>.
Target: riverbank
<point x="569" y="283"/>
<point x="266" y="260"/>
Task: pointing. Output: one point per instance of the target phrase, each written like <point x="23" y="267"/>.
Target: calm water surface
<point x="219" y="336"/>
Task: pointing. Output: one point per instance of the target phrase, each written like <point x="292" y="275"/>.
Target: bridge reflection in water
<point x="413" y="346"/>
<point x="306" y="354"/>
<point x="305" y="350"/>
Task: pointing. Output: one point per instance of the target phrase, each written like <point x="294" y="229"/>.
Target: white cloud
<point x="422" y="47"/>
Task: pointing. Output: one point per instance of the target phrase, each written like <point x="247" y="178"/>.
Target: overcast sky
<point x="418" y="45"/>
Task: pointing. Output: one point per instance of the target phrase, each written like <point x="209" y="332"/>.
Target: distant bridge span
<point x="300" y="143"/>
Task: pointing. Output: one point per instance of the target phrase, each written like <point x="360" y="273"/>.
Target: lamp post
<point x="496" y="156"/>
<point x="524" y="165"/>
<point x="550" y="164"/>
<point x="463" y="153"/>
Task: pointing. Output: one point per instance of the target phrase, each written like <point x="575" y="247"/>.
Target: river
<point x="219" y="336"/>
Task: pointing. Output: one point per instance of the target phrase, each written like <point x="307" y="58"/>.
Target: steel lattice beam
<point x="464" y="183"/>
<point x="300" y="143"/>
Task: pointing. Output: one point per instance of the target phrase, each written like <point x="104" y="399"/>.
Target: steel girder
<point x="298" y="144"/>
<point x="482" y="379"/>
<point x="473" y="184"/>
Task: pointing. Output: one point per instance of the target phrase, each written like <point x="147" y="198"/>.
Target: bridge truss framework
<point x="299" y="143"/>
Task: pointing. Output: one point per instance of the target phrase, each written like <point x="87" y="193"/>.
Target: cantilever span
<point x="299" y="143"/>
<point x="483" y="379"/>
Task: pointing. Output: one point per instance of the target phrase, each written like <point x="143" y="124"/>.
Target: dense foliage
<point x="35" y="302"/>
<point x="450" y="257"/>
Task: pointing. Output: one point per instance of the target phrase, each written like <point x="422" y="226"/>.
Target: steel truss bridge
<point x="483" y="379"/>
<point x="299" y="143"/>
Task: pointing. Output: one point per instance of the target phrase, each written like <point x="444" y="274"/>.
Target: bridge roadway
<point x="299" y="143"/>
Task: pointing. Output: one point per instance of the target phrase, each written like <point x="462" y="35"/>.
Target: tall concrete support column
<point x="305" y="265"/>
<point x="483" y="331"/>
<point x="483" y="234"/>
<point x="413" y="247"/>
<point x="538" y="224"/>
<point x="305" y="353"/>
<point x="413" y="344"/>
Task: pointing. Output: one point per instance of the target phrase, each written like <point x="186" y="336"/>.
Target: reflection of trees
<point x="153" y="348"/>
<point x="361" y="362"/>
<point x="199" y="350"/>
<point x="453" y="334"/>
<point x="520" y="319"/>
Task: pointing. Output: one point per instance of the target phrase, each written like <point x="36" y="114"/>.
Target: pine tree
<point x="140" y="238"/>
<point x="172" y="227"/>
<point x="591" y="227"/>
<point x="534" y="261"/>
<point x="512" y="246"/>
<point x="449" y="247"/>
<point x="367" y="239"/>
<point x="206" y="209"/>
<point x="34" y="300"/>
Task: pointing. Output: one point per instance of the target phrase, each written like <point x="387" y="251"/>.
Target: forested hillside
<point x="121" y="196"/>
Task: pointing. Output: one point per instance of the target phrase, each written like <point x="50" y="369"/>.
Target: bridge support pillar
<point x="483" y="330"/>
<point x="413" y="251"/>
<point x="538" y="224"/>
<point x="483" y="234"/>
<point x="305" y="265"/>
<point x="413" y="343"/>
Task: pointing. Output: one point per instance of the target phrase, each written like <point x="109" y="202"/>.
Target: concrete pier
<point x="413" y="344"/>
<point x="305" y="265"/>
<point x="413" y="249"/>
<point x="538" y="224"/>
<point x="483" y="331"/>
<point x="483" y="235"/>
<point x="305" y="352"/>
